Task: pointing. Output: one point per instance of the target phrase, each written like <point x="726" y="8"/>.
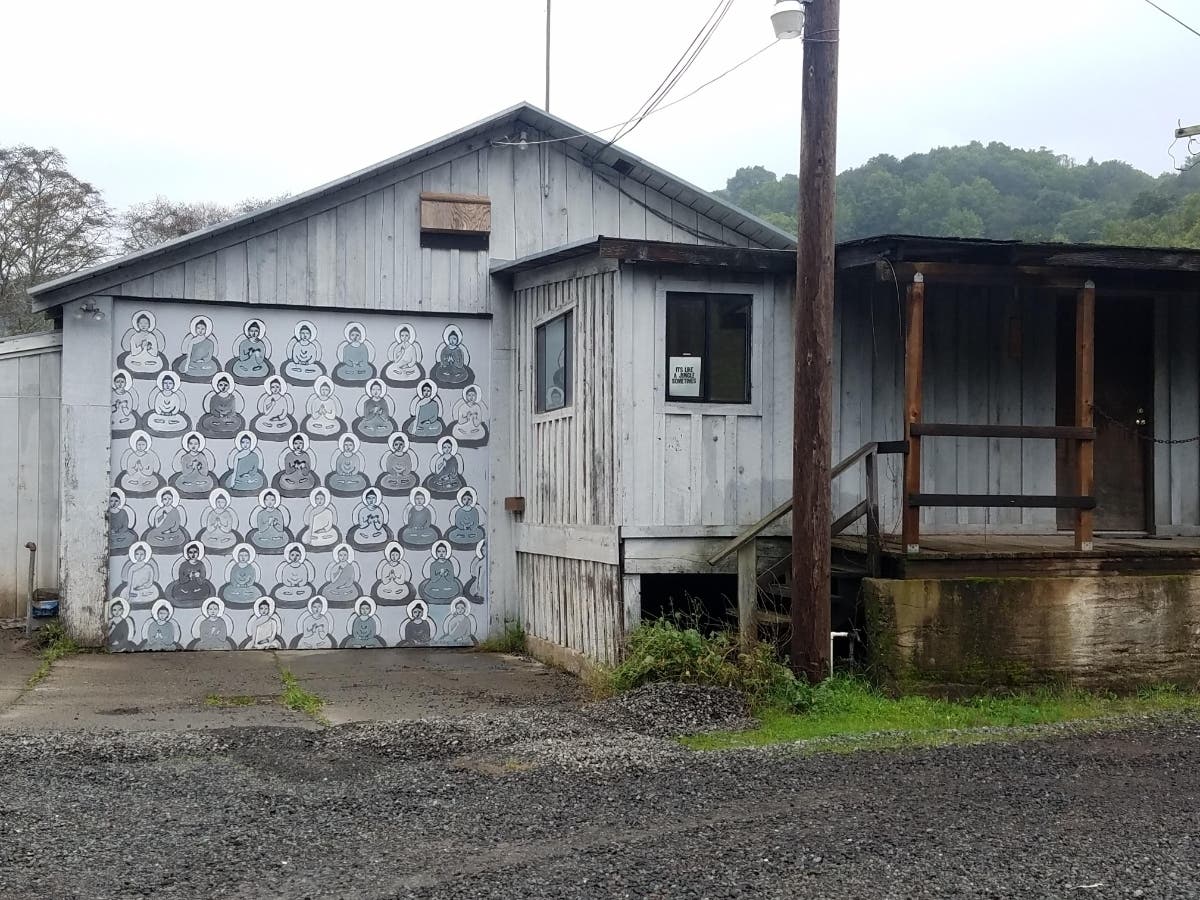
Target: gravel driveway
<point x="597" y="804"/>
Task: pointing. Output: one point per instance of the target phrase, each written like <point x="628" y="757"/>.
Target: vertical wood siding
<point x="989" y="359"/>
<point x="30" y="402"/>
<point x="364" y="251"/>
<point x="565" y="459"/>
<point x="573" y="603"/>
<point x="1177" y="415"/>
<point x="700" y="468"/>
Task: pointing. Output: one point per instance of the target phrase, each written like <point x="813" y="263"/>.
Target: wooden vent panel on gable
<point x="456" y="214"/>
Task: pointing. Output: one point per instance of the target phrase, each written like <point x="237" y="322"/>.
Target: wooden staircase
<point x="765" y="597"/>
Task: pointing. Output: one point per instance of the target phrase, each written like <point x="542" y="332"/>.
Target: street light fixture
<point x="788" y="18"/>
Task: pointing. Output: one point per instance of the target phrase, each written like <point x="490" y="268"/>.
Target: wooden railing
<point x="745" y="545"/>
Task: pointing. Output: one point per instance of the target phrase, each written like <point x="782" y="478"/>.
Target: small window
<point x="708" y="347"/>
<point x="554" y="364"/>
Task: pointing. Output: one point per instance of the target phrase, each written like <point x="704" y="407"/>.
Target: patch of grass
<point x="54" y="644"/>
<point x="510" y="640"/>
<point x="297" y="698"/>
<point x="852" y="714"/>
<point x="234" y="700"/>
<point x="664" y="651"/>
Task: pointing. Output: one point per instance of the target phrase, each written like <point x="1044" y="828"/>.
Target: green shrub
<point x="664" y="651"/>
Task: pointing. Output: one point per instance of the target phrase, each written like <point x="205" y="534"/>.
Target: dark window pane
<point x="729" y="348"/>
<point x="553" y="364"/>
<point x="685" y="340"/>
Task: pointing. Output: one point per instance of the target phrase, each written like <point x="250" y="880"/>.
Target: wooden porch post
<point x="747" y="566"/>
<point x="914" y="354"/>
<point x="1085" y="370"/>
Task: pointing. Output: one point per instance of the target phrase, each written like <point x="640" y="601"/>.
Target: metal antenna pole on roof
<point x="547" y="55"/>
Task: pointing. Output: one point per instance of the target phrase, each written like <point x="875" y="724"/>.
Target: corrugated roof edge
<point x="750" y="225"/>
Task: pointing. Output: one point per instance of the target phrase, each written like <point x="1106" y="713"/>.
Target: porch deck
<point x="1016" y="555"/>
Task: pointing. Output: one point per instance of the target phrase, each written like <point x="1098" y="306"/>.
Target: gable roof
<point x="60" y="290"/>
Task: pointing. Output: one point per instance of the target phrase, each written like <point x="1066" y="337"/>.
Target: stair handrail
<point x="865" y="508"/>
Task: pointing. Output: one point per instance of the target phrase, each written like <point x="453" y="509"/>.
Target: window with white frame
<point x="553" y="363"/>
<point x="708" y="347"/>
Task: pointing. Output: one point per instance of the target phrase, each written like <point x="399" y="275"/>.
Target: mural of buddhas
<point x="276" y="419"/>
<point x="315" y="630"/>
<point x="192" y="582"/>
<point x="446" y="477"/>
<point x="161" y="631"/>
<point x="347" y="469"/>
<point x="264" y="631"/>
<point x="122" y="524"/>
<point x="453" y="366"/>
<point x="303" y="365"/>
<point x="393" y="578"/>
<point x="294" y="578"/>
<point x="193" y="467"/>
<point x="342" y="579"/>
<point x="465" y="528"/>
<point x="363" y="628"/>
<point x="124" y="405"/>
<point x="198" y="362"/>
<point x="245" y="476"/>
<point x="376" y="420"/>
<point x="223" y="405"/>
<point x="243" y="582"/>
<point x="252" y="364"/>
<point x="213" y="628"/>
<point x="270" y="522"/>
<point x="424" y="423"/>
<point x="323" y="412"/>
<point x="167" y="416"/>
<point x="142" y="347"/>
<point x="320" y="531"/>
<point x="417" y="629"/>
<point x="420" y="530"/>
<point x="399" y="465"/>
<point x="470" y="419"/>
<point x="370" y="529"/>
<point x="297" y="475"/>
<point x="167" y="531"/>
<point x="404" y="369"/>
<point x="219" y="525"/>
<point x="331" y="495"/>
<point x="356" y="357"/>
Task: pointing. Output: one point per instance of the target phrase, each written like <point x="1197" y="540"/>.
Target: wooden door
<point x="1124" y="397"/>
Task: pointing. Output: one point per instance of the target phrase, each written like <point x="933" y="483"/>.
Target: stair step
<point x="772" y="618"/>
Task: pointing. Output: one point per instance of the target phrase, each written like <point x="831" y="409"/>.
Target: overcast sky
<point x="222" y="100"/>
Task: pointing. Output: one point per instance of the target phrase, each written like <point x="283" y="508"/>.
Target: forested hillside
<point x="993" y="191"/>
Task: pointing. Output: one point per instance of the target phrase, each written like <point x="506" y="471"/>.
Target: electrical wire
<point x="595" y="134"/>
<point x="1174" y="17"/>
<point x="677" y="71"/>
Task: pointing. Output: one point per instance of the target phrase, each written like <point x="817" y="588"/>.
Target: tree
<point x="51" y="224"/>
<point x="146" y="225"/>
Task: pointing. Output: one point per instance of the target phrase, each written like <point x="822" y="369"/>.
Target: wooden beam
<point x="846" y="519"/>
<point x="741" y="258"/>
<point x="747" y="573"/>
<point x="874" y="544"/>
<point x="1131" y="280"/>
<point x="914" y="355"/>
<point x="1014" y="501"/>
<point x="1085" y="358"/>
<point x="1048" y="432"/>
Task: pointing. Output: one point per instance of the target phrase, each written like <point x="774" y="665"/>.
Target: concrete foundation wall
<point x="1113" y="631"/>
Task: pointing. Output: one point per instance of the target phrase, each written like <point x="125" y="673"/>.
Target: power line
<point x="1174" y="18"/>
<point x="753" y="56"/>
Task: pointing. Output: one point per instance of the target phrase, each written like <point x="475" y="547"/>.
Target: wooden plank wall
<point x="694" y="468"/>
<point x="1177" y="415"/>
<point x="565" y="459"/>
<point x="30" y="401"/>
<point x="364" y="251"/>
<point x="573" y="603"/>
<point x="989" y="359"/>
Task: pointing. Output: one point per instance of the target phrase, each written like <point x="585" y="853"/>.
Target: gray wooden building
<point x="609" y="348"/>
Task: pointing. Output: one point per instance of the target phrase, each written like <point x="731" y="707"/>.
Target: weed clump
<point x="54" y="643"/>
<point x="510" y="640"/>
<point x="665" y="651"/>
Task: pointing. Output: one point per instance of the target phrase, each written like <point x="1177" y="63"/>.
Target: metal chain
<point x="1138" y="434"/>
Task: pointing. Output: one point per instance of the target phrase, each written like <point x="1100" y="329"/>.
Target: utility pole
<point x="547" y="107"/>
<point x="812" y="313"/>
